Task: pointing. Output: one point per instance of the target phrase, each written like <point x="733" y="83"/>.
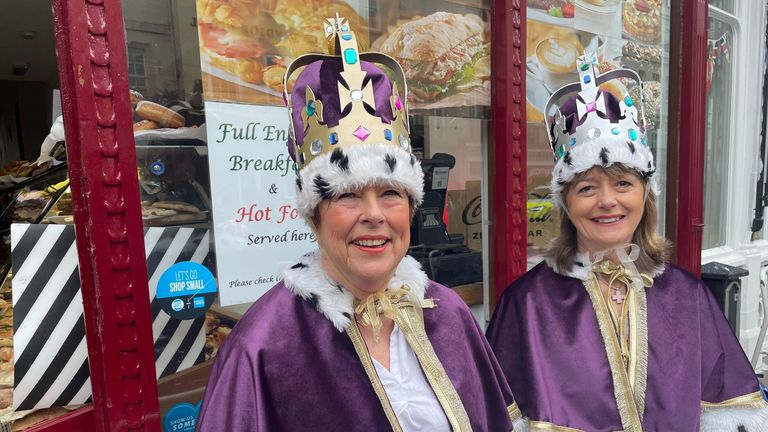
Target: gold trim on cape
<point x="547" y="426"/>
<point x="410" y="320"/>
<point x="622" y="386"/>
<point x="514" y="412"/>
<point x="365" y="358"/>
<point x="751" y="400"/>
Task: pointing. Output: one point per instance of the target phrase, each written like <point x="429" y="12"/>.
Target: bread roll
<point x="145" y="125"/>
<point x="159" y="114"/>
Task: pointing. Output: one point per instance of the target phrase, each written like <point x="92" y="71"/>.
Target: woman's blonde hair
<point x="654" y="249"/>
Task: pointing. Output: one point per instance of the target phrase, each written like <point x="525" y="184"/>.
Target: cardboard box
<point x="457" y="200"/>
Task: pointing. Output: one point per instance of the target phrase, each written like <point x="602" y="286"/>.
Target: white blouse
<point x="409" y="392"/>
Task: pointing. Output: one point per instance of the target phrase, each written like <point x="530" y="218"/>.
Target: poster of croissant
<point x="443" y="46"/>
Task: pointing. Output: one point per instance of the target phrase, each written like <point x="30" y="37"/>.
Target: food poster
<point x="623" y="33"/>
<point x="443" y="46"/>
<point x="257" y="228"/>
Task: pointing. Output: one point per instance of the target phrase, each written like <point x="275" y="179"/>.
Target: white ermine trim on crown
<point x="729" y="419"/>
<point x="602" y="151"/>
<point x="355" y="167"/>
<point x="308" y="280"/>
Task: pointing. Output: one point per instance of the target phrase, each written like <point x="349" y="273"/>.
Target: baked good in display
<point x="159" y="114"/>
<point x="651" y="101"/>
<point x="145" y="125"/>
<point x="273" y="77"/>
<point x="437" y="52"/>
<point x="245" y="37"/>
<point x="176" y="205"/>
<point x="642" y="20"/>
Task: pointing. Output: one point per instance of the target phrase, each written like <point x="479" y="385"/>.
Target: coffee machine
<point x="444" y="257"/>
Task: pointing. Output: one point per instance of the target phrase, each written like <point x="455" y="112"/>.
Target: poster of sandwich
<point x="444" y="46"/>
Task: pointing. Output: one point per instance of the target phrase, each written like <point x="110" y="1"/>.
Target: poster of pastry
<point x="622" y="34"/>
<point x="445" y="56"/>
<point x="245" y="45"/>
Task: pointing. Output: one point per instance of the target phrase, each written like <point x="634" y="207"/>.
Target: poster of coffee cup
<point x="551" y="63"/>
<point x="246" y="45"/>
<point x="445" y="57"/>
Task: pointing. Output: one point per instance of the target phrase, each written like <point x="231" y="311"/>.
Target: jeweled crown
<point x="597" y="112"/>
<point x="364" y="109"/>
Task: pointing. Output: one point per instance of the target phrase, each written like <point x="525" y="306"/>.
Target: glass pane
<point x="726" y="5"/>
<point x="718" y="134"/>
<point x="236" y="53"/>
<point x="630" y="34"/>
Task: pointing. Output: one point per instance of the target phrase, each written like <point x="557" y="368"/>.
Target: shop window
<point x="215" y="70"/>
<point x="623" y="34"/>
<point x="137" y="71"/>
<point x="718" y="136"/>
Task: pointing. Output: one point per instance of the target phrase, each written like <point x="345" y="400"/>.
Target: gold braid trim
<point x="410" y="320"/>
<point x="365" y="358"/>
<point x="622" y="391"/>
<point x="514" y="412"/>
<point x="639" y="348"/>
<point x="752" y="400"/>
<point x="547" y="426"/>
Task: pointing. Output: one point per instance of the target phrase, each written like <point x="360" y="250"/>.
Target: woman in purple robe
<point x="605" y="334"/>
<point x="355" y="337"/>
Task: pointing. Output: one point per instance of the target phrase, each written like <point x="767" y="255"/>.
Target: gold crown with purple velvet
<point x="348" y="122"/>
<point x="361" y="111"/>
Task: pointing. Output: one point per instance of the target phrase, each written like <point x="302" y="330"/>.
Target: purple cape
<point x="285" y="367"/>
<point x="545" y="335"/>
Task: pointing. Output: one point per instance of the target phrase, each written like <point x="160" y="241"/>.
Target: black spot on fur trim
<point x="339" y="158"/>
<point x="314" y="300"/>
<point x="298" y="184"/>
<point x="561" y="182"/>
<point x="631" y="147"/>
<point x="323" y="188"/>
<point x="567" y="159"/>
<point x="650" y="166"/>
<point x="604" y="156"/>
<point x="578" y="263"/>
<point x="413" y="159"/>
<point x="299" y="266"/>
<point x="648" y="174"/>
<point x="391" y="162"/>
<point x="347" y="315"/>
<point x="338" y="287"/>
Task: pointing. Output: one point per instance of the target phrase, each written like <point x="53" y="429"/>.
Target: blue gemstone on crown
<point x="310" y="108"/>
<point x="643" y="141"/>
<point x="587" y="79"/>
<point x="346" y="36"/>
<point x="615" y="131"/>
<point x="345" y="28"/>
<point x="333" y="138"/>
<point x="388" y="134"/>
<point x="350" y="56"/>
<point x="560" y="152"/>
<point x="628" y="100"/>
<point x="572" y="142"/>
<point x="632" y="134"/>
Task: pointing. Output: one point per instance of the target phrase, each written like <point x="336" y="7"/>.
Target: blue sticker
<point x="186" y="290"/>
<point x="181" y="417"/>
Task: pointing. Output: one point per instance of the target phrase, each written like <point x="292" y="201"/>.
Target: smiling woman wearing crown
<point x="355" y="337"/>
<point x="605" y="335"/>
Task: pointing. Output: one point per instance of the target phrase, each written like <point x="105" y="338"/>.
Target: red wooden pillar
<point x="508" y="178"/>
<point x="687" y="124"/>
<point x="90" y="43"/>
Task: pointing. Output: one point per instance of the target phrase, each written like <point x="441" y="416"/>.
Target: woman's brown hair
<point x="654" y="249"/>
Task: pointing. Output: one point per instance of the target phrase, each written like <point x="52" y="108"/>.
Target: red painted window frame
<point x="90" y="42"/>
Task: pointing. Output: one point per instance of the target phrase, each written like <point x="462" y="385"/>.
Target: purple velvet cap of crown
<point x="572" y="121"/>
<point x="323" y="77"/>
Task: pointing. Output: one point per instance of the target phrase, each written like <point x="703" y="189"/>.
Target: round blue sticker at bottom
<point x="181" y="417"/>
<point x="186" y="290"/>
